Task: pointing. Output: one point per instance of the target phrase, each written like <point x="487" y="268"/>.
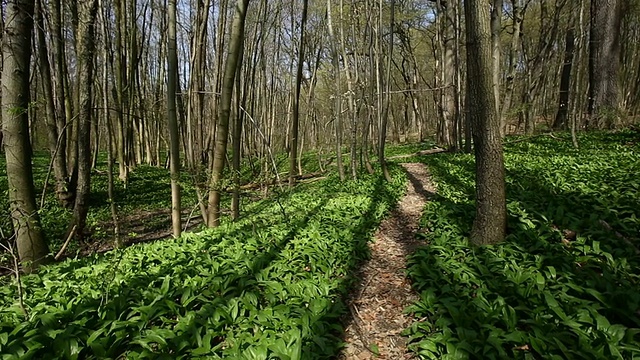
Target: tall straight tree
<point x="86" y="53"/>
<point x="337" y="101"/>
<point x="382" y="134"/>
<point x="172" y="70"/>
<point x="489" y="225"/>
<point x="16" y="57"/>
<point x="222" y="132"/>
<point x="295" y="122"/>
<point x="55" y="143"/>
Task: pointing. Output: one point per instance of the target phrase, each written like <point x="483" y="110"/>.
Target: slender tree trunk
<point x="16" y="59"/>
<point x="513" y="64"/>
<point x="237" y="141"/>
<point x="107" y="120"/>
<point x="496" y="50"/>
<point x="86" y="54"/>
<point x="295" y="121"/>
<point x="58" y="155"/>
<point x="231" y="68"/>
<point x="489" y="226"/>
<point x="382" y="134"/>
<point x="337" y="101"/>
<point x="172" y="80"/>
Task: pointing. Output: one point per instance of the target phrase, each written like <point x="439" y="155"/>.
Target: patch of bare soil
<point x="376" y="305"/>
<point x="141" y="227"/>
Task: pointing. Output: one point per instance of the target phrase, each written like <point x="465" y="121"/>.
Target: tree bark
<point x="496" y="50"/>
<point x="58" y="155"/>
<point x="174" y="135"/>
<point x="604" y="63"/>
<point x="489" y="226"/>
<point x="560" y="121"/>
<point x="295" y="121"/>
<point x="86" y="54"/>
<point x="382" y="133"/>
<point x="222" y="131"/>
<point x="337" y="100"/>
<point x="16" y="56"/>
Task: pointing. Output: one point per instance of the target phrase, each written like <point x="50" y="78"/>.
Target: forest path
<point x="376" y="305"/>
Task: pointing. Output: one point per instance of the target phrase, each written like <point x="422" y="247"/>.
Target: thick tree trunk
<point x="489" y="225"/>
<point x="174" y="135"/>
<point x="222" y="132"/>
<point x="604" y="63"/>
<point x="86" y="54"/>
<point x="16" y="56"/>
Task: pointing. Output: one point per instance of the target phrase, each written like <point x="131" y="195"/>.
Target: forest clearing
<point x="335" y="179"/>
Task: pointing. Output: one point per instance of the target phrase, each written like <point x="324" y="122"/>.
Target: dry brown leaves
<point x="373" y="329"/>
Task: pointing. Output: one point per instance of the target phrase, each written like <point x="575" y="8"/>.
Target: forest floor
<point x="376" y="319"/>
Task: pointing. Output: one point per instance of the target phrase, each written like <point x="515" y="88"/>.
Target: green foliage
<point x="268" y="286"/>
<point x="543" y="293"/>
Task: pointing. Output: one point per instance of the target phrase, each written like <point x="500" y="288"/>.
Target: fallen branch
<point x="619" y="236"/>
<point x="419" y="153"/>
<point x="66" y="243"/>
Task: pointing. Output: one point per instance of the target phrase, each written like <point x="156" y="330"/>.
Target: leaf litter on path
<point x="376" y="319"/>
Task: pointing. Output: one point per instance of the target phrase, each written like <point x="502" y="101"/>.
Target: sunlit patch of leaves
<point x="268" y="286"/>
<point x="562" y="285"/>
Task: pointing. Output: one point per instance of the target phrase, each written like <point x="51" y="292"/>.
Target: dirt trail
<point x="376" y="304"/>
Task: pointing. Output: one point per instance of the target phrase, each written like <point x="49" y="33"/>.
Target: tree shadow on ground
<point x="559" y="276"/>
<point x="195" y="301"/>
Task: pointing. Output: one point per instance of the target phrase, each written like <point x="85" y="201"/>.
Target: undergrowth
<point x="564" y="285"/>
<point x="267" y="286"/>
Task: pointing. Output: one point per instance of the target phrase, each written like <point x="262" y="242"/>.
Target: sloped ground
<point x="376" y="305"/>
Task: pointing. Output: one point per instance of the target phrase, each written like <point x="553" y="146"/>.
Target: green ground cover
<point x="268" y="286"/>
<point x="544" y="293"/>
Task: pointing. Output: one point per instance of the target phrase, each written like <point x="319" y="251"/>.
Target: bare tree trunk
<point x="107" y="119"/>
<point x="16" y="57"/>
<point x="604" y="63"/>
<point x="513" y="64"/>
<point x="172" y="74"/>
<point x="58" y="154"/>
<point x="295" y="121"/>
<point x="489" y="226"/>
<point x="496" y="30"/>
<point x="231" y="67"/>
<point x="86" y="54"/>
<point x="337" y="112"/>
<point x="382" y="134"/>
<point x="560" y="121"/>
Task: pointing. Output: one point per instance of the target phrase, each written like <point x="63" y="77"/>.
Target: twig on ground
<point x="66" y="243"/>
<point x="355" y="314"/>
<point x="364" y="287"/>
